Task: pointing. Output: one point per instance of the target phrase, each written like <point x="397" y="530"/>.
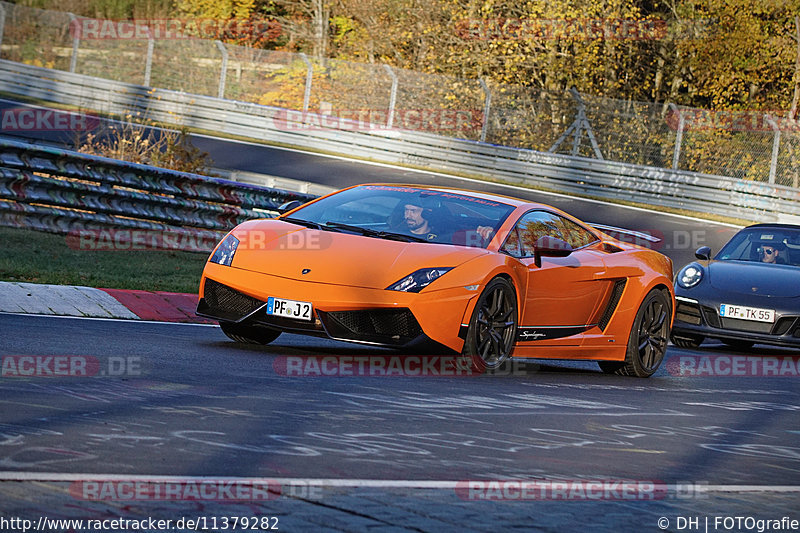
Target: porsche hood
<point x="754" y="278"/>
<point x="283" y="249"/>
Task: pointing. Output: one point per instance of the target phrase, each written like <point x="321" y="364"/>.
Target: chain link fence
<point x="632" y="132"/>
<point x="753" y="146"/>
<point x="530" y="118"/>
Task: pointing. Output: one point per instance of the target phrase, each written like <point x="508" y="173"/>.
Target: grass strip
<point x="39" y="257"/>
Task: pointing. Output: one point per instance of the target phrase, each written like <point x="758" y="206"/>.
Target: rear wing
<point x="612" y="230"/>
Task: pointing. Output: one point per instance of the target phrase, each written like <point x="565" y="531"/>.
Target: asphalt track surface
<point x="191" y="404"/>
<point x="209" y="406"/>
<point x="385" y="453"/>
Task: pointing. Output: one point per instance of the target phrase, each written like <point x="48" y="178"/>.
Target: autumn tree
<point x="246" y="22"/>
<point x="307" y="21"/>
<point x="746" y="59"/>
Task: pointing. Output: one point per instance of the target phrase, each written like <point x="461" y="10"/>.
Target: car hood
<point x="755" y="278"/>
<point x="282" y="249"/>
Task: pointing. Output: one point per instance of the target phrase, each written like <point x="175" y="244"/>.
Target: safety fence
<point x="759" y="146"/>
<point x="704" y="193"/>
<point x="61" y="191"/>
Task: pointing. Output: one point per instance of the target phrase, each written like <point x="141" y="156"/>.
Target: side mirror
<point x="704" y="253"/>
<point x="550" y="247"/>
<point x="288" y="206"/>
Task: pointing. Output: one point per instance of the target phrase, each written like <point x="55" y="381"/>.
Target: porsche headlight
<point x="690" y="276"/>
<point x="223" y="255"/>
<point x="418" y="280"/>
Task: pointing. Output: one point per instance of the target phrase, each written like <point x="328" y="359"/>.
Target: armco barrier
<point x="702" y="193"/>
<point x="62" y="191"/>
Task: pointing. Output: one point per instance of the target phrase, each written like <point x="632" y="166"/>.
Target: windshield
<point x="772" y="245"/>
<point x="407" y="213"/>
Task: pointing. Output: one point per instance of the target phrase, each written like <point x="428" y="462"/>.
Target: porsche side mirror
<point x="288" y="206"/>
<point x="550" y="247"/>
<point x="704" y="253"/>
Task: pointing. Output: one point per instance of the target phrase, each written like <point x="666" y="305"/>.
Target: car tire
<point x="738" y="345"/>
<point x="686" y="341"/>
<point x="249" y="334"/>
<point x="492" y="329"/>
<point x="647" y="343"/>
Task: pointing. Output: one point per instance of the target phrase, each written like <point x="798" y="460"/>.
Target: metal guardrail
<point x="704" y="193"/>
<point x="62" y="191"/>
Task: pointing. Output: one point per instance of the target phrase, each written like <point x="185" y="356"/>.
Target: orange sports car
<point x="483" y="275"/>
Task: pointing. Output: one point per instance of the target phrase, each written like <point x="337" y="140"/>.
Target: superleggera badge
<point x="526" y="335"/>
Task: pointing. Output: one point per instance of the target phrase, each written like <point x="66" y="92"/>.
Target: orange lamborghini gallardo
<point x="483" y="275"/>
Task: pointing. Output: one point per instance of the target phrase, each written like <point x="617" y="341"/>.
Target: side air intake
<point x="613" y="302"/>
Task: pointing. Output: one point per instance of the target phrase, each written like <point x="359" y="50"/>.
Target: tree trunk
<point x="793" y="110"/>
<point x="659" y="77"/>
<point x="320" y="23"/>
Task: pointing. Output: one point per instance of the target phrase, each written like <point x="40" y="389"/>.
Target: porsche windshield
<point x="408" y="214"/>
<point x="773" y="245"/>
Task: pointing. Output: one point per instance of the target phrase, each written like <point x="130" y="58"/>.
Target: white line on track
<point x="328" y="482"/>
<point x="126" y="320"/>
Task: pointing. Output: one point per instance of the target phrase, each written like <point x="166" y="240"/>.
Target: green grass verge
<point x="38" y="257"/>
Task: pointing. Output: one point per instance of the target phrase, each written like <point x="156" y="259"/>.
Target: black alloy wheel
<point x="493" y="327"/>
<point x="647" y="343"/>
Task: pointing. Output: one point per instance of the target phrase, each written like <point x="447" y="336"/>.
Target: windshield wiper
<point x="375" y="233"/>
<point x="401" y="237"/>
<point x="348" y="227"/>
<point x="301" y="222"/>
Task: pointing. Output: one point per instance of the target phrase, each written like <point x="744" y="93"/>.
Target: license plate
<point x="746" y="313"/>
<point x="289" y="308"/>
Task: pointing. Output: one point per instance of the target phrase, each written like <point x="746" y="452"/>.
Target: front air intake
<point x="223" y="301"/>
<point x="385" y="326"/>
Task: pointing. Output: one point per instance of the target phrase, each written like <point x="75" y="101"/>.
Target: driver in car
<point x="418" y="219"/>
<point x="770" y="253"/>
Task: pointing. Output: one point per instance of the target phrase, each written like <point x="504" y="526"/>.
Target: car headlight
<point x="418" y="280"/>
<point x="690" y="276"/>
<point x="223" y="255"/>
